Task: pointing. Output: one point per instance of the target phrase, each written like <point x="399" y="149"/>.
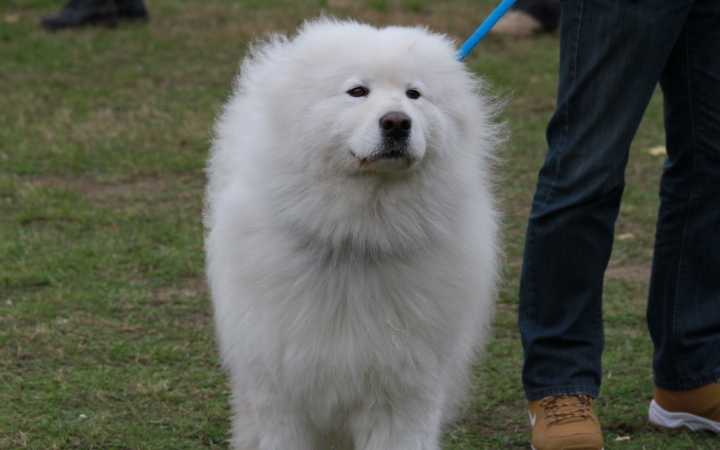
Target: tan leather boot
<point x="565" y="423"/>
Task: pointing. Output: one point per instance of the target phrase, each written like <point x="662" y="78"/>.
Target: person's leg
<point x="684" y="301"/>
<point x="611" y="57"/>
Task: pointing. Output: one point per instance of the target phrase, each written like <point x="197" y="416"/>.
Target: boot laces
<point x="567" y="408"/>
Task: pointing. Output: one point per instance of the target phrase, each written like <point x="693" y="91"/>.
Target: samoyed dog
<point x="352" y="237"/>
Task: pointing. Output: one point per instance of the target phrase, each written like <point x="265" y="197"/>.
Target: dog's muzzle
<point x="395" y="128"/>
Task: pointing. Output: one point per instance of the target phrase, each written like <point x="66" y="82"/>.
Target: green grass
<point x="106" y="338"/>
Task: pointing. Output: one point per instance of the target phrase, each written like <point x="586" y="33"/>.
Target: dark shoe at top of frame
<point x="690" y="410"/>
<point x="95" y="12"/>
<point x="131" y="9"/>
<point x="566" y="422"/>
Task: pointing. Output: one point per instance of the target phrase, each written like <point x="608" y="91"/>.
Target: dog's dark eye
<point x="413" y="94"/>
<point x="359" y="91"/>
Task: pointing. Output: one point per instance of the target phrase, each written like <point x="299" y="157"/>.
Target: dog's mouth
<point x="391" y="154"/>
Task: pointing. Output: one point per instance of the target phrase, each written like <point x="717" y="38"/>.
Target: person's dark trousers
<point x="612" y="54"/>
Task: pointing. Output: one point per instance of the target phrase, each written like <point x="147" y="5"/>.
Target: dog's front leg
<point x="266" y="421"/>
<point x="285" y="430"/>
<point x="414" y="426"/>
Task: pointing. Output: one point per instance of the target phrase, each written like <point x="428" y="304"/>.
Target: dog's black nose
<point x="395" y="125"/>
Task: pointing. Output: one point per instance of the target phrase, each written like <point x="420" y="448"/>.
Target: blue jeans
<point x="612" y="55"/>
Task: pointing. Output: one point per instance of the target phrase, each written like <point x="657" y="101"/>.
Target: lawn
<point x="106" y="338"/>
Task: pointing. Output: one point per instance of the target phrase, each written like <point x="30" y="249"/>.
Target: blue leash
<point x="484" y="28"/>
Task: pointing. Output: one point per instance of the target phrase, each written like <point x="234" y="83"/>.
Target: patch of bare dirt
<point x="640" y="271"/>
<point x="509" y="308"/>
<point x="95" y="188"/>
<point x="629" y="271"/>
<point x="101" y="193"/>
<point x="188" y="288"/>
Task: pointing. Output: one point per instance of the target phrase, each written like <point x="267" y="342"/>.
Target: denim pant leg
<point x="684" y="301"/>
<point x="612" y="54"/>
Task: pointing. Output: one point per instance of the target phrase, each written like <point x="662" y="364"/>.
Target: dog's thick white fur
<point x="351" y="257"/>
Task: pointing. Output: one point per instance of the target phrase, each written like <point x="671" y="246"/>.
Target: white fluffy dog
<point x="351" y="251"/>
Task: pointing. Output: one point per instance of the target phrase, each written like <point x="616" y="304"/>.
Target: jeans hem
<point x="688" y="383"/>
<point x="558" y="391"/>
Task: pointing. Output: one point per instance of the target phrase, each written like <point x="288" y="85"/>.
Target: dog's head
<point x="356" y="98"/>
<point x="346" y="128"/>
